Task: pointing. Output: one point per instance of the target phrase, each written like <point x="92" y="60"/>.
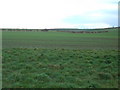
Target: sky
<point x="39" y="14"/>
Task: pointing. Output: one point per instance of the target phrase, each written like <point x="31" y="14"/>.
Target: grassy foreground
<point x="59" y="68"/>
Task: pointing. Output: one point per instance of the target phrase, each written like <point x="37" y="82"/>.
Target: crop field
<point x="67" y="40"/>
<point x="60" y="60"/>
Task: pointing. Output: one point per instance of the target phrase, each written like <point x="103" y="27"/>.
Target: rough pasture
<point x="59" y="68"/>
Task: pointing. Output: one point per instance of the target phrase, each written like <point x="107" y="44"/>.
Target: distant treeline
<point x="21" y="29"/>
<point x="56" y="29"/>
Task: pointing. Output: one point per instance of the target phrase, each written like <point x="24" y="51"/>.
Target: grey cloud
<point x="109" y="17"/>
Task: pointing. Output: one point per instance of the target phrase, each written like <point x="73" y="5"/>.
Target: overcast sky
<point x="58" y="13"/>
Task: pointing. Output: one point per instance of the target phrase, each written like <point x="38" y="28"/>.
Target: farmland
<point x="60" y="59"/>
<point x="67" y="40"/>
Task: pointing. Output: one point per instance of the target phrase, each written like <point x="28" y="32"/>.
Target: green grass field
<point x="60" y="60"/>
<point x="60" y="40"/>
